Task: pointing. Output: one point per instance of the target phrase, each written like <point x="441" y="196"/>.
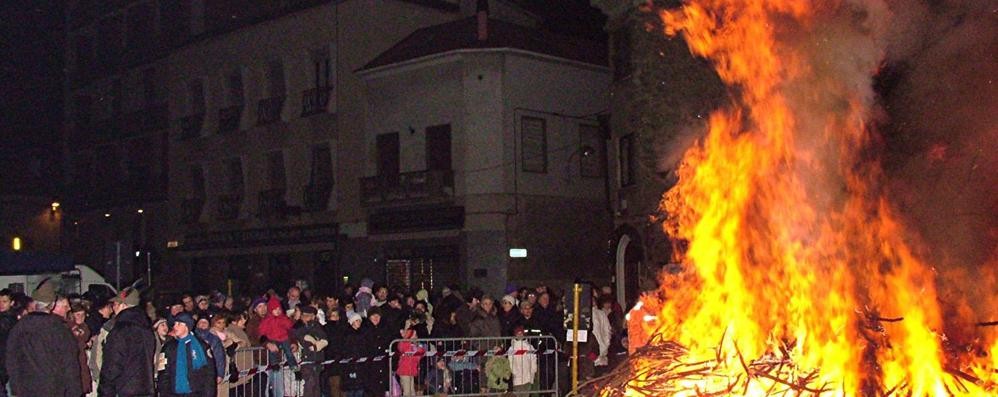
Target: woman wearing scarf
<point x="189" y="370"/>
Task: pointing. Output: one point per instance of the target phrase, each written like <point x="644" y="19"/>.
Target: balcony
<point x="190" y="210"/>
<point x="272" y="204"/>
<point x="269" y="110"/>
<point x="407" y="188"/>
<point x="229" y="119"/>
<point x="316" y="196"/>
<point x="190" y="126"/>
<point x="315" y="100"/>
<point x="229" y="206"/>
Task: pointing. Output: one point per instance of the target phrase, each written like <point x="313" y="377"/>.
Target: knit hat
<point x="45" y="292"/>
<point x="258" y="301"/>
<point x="158" y="322"/>
<point x="509" y="299"/>
<point x="353" y="316"/>
<point x="185" y="318"/>
<point x="128" y="296"/>
<point x="273" y="304"/>
<point x="366" y="283"/>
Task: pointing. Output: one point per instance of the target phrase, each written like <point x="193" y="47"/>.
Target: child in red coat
<point x="408" y="369"/>
<point x="276" y="329"/>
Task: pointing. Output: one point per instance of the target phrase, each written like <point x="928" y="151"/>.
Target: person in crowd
<point x="203" y="304"/>
<point x="354" y="345"/>
<point x="529" y="323"/>
<point x="522" y="360"/>
<point x="349" y="290"/>
<point x="348" y="308"/>
<point x="380" y="336"/>
<point x="602" y="332"/>
<point x="332" y="303"/>
<point x="293" y="299"/>
<point x="188" y="301"/>
<point x="486" y="321"/>
<point x="188" y="371"/>
<point x="408" y="364"/>
<point x="439" y="380"/>
<point x="364" y="297"/>
<point x="41" y="356"/>
<point x="275" y="333"/>
<point x="78" y="326"/>
<point x="150" y="310"/>
<point x="100" y="312"/>
<point x="334" y="329"/>
<point x="172" y="311"/>
<point x="202" y="329"/>
<point x="313" y="340"/>
<point x="466" y="312"/>
<point x="380" y="296"/>
<point x="7" y="320"/>
<point x="392" y="313"/>
<point x="509" y="315"/>
<point x="236" y="332"/>
<point x="161" y="329"/>
<point x="421" y="321"/>
<point x="258" y="311"/>
<point x="229" y="305"/>
<point x="424" y="296"/>
<point x="130" y="351"/>
<point x="445" y="325"/>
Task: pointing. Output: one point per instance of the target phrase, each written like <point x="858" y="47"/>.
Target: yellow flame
<point x="792" y="245"/>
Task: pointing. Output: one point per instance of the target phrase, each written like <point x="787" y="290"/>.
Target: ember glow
<point x="801" y="277"/>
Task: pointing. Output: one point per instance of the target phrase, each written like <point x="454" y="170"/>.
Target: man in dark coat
<point x="313" y="341"/>
<point x="355" y="344"/>
<point x="195" y="377"/>
<point x="42" y="356"/>
<point x="380" y="336"/>
<point x="7" y="320"/>
<point x="129" y="351"/>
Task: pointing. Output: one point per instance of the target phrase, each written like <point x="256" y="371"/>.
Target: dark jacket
<point x="42" y="358"/>
<point x="508" y="321"/>
<point x="7" y="322"/>
<point x="485" y="325"/>
<point x="355" y="344"/>
<point x="380" y="337"/>
<point x="217" y="350"/>
<point x="202" y="380"/>
<point x="128" y="356"/>
<point x="334" y="334"/>
<point x="309" y="351"/>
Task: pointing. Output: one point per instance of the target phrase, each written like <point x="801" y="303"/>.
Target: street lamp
<point x="15" y="244"/>
<point x="55" y="206"/>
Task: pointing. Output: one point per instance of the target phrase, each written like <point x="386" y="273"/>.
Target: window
<point x="197" y="182"/>
<point x="275" y="79"/>
<point x="623" y="66"/>
<point x="234" y="176"/>
<point x="438" y="148"/>
<point x="275" y="170"/>
<point x="534" y="144"/>
<point x="322" y="166"/>
<point x="234" y="83"/>
<point x="321" y="66"/>
<point x="592" y="164"/>
<point x="388" y="155"/>
<point x="628" y="162"/>
<point x="196" y="96"/>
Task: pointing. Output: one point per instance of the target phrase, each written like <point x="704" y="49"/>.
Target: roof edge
<point x="377" y="70"/>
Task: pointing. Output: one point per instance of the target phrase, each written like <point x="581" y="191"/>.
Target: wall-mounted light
<point x="55" y="206"/>
<point x="15" y="244"/>
<point x="517" y="252"/>
<point x="139" y="211"/>
<point x="172" y="244"/>
<point x="107" y="214"/>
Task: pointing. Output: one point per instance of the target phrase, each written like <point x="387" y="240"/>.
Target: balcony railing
<point x="316" y="197"/>
<point x="229" y="206"/>
<point x="271" y="204"/>
<point x="406" y="188"/>
<point x="269" y="110"/>
<point x="190" y="126"/>
<point x="229" y="119"/>
<point x="191" y="210"/>
<point x="315" y="100"/>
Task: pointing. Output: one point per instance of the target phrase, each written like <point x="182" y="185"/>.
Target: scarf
<point x="182" y="382"/>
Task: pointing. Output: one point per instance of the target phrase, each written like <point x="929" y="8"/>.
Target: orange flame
<point x="792" y="244"/>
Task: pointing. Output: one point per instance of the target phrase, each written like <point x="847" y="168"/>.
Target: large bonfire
<point x="800" y="278"/>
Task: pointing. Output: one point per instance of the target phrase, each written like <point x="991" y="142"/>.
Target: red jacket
<point x="275" y="328"/>
<point x="409" y="364"/>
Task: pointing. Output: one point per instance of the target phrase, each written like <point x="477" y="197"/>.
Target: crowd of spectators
<point x="56" y="345"/>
